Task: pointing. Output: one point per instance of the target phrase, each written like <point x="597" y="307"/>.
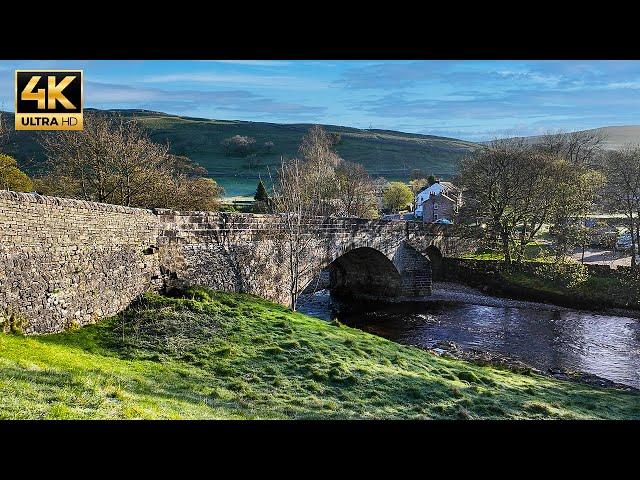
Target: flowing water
<point x="540" y="335"/>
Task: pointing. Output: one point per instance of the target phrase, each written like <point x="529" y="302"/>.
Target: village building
<point x="439" y="201"/>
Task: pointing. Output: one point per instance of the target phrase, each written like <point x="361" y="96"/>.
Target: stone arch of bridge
<point x="364" y="271"/>
<point x="434" y="255"/>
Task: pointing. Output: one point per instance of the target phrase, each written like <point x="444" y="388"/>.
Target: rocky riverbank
<point x="449" y="349"/>
<point x="456" y="292"/>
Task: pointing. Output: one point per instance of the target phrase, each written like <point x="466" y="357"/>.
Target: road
<point x="603" y="256"/>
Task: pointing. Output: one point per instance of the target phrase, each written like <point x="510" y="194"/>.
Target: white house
<point x="438" y="201"/>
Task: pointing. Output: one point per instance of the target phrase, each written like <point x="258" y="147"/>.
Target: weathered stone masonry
<point x="65" y="262"/>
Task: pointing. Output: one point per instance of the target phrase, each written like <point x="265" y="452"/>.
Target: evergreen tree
<point x="261" y="194"/>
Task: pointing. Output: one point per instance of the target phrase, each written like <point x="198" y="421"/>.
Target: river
<point x="540" y="335"/>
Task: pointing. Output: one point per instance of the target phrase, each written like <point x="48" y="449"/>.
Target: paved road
<point x="601" y="256"/>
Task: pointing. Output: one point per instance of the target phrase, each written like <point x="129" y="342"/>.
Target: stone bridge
<point x="68" y="262"/>
<point x="378" y="259"/>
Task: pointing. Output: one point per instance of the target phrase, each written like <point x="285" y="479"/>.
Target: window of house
<point x="435" y="216"/>
<point x="435" y="206"/>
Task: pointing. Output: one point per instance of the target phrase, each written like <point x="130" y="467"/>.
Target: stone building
<point x="439" y="201"/>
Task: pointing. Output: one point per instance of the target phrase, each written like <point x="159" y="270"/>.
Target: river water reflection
<point x="604" y="345"/>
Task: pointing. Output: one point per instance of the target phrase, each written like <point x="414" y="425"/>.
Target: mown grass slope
<point x="388" y="153"/>
<point x="218" y="355"/>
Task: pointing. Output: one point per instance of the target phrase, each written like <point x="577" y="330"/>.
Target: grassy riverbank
<point x="539" y="278"/>
<point x="216" y="355"/>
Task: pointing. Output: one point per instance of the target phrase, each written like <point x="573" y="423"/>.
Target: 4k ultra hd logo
<point x="49" y="100"/>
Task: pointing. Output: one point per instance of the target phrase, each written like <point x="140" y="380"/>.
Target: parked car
<point x="603" y="238"/>
<point x="443" y="221"/>
<point x="624" y="242"/>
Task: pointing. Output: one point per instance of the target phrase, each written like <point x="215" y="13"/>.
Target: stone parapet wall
<point x="69" y="262"/>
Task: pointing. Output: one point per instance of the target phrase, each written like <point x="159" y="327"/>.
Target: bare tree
<point x="299" y="203"/>
<point x="313" y="185"/>
<point x="578" y="148"/>
<point x="494" y="178"/>
<point x="622" y="194"/>
<point x="355" y="190"/>
<point x="113" y="161"/>
<point x="5" y="131"/>
<point x="268" y="146"/>
<point x="518" y="187"/>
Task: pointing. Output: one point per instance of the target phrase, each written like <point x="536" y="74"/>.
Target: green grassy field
<point x="387" y="153"/>
<point x="226" y="356"/>
<point x="533" y="252"/>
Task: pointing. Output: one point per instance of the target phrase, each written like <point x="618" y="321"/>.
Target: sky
<point x="472" y="100"/>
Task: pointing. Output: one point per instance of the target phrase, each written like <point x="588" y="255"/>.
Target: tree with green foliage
<point x="11" y="177"/>
<point x="431" y="179"/>
<point x="517" y="188"/>
<point x="397" y="196"/>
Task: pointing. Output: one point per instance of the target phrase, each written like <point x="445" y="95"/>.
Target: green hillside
<point x="232" y="356"/>
<point x="383" y="153"/>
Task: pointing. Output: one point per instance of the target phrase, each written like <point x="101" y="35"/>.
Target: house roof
<point x="435" y="198"/>
<point x="438" y="188"/>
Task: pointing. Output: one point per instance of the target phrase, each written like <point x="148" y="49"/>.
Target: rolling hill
<point x="614" y="137"/>
<point x="383" y="153"/>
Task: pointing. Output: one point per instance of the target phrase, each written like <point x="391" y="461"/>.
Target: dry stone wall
<point x="66" y="262"/>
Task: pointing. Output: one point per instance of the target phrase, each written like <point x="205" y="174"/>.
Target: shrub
<point x="566" y="275"/>
<point x="268" y="146"/>
<point x="11" y="177"/>
<point x="239" y="145"/>
<point x="11" y="322"/>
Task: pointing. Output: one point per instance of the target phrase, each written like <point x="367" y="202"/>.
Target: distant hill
<point x="383" y="152"/>
<point x="615" y="136"/>
<point x="618" y="136"/>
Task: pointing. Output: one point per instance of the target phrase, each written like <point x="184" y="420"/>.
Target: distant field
<point x="383" y="153"/>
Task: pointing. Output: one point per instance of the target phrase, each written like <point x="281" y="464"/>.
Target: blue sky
<point x="474" y="100"/>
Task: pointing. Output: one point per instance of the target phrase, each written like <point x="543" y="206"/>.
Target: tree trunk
<point x="637" y="236"/>
<point x="504" y="236"/>
<point x="523" y="242"/>
<point x="633" y="240"/>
